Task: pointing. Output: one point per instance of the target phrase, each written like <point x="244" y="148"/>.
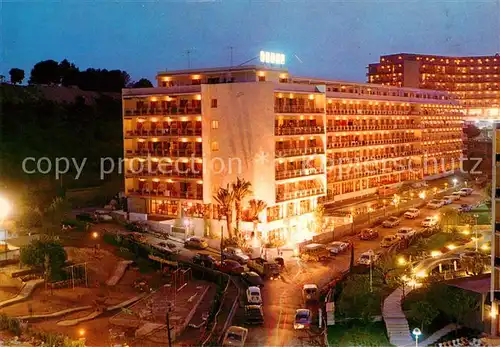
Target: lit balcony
<point x="162" y="111"/>
<point x="164" y="153"/>
<point x="282" y="131"/>
<point x="355" y="159"/>
<point x="287" y="174"/>
<point x="372" y="127"/>
<point x="367" y="173"/>
<point x="297" y="152"/>
<point x="298" y="194"/>
<point x="165" y="194"/>
<point x="360" y="111"/>
<point x="346" y="144"/>
<point x="167" y="172"/>
<point x="297" y="109"/>
<point x="164" y="132"/>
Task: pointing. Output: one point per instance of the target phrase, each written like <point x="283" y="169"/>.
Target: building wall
<point x="411" y="77"/>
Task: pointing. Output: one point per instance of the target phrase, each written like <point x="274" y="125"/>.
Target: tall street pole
<point x="168" y="327"/>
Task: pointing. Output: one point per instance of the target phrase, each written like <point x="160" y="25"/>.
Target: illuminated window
<point x="262" y="78"/>
<point x="215" y="146"/>
<point x="215" y="124"/>
<point x="214" y="103"/>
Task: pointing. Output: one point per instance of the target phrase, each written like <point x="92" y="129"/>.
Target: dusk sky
<point x="334" y="39"/>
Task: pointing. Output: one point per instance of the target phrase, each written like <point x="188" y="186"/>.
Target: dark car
<point x="368" y="234"/>
<point x="195" y="242"/>
<point x="465" y="208"/>
<point x="252" y="279"/>
<point x="230" y="266"/>
<point x="204" y="260"/>
<point x="254" y="314"/>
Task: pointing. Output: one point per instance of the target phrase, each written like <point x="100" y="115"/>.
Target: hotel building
<point x="475" y="80"/>
<point x="297" y="140"/>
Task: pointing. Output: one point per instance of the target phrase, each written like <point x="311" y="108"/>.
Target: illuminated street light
<point x="455" y="181"/>
<point x="95" y="235"/>
<point x="81" y="332"/>
<point x="451" y="247"/>
<point x="402" y="261"/>
<point x="485" y="247"/>
<point x="422" y="195"/>
<point x="436" y="254"/>
<point x="4" y="209"/>
<point x="417" y="333"/>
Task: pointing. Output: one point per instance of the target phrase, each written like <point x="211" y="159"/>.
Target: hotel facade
<point x="474" y="80"/>
<point x="299" y="141"/>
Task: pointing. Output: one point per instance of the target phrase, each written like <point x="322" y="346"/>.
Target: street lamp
<point x="455" y="181"/>
<point x="384" y="206"/>
<point x="370" y="210"/>
<point x="417" y="333"/>
<point x="4" y="209"/>
<point x="81" y="332"/>
<point x="476" y="216"/>
<point x="422" y="195"/>
<point x="435" y="190"/>
<point x="95" y="236"/>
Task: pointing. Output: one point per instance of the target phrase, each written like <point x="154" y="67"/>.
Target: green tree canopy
<point x="16" y="75"/>
<point x="46" y="254"/>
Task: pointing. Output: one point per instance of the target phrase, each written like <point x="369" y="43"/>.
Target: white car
<point x="435" y="204"/>
<point x="412" y="213"/>
<point x="446" y="200"/>
<point x="457" y="195"/>
<point x="406" y="233"/>
<point x="466" y="191"/>
<point x="391" y="222"/>
<point x="235" y="336"/>
<point x="429" y="222"/>
<point x="253" y="296"/>
<point x="452" y="197"/>
<point x="337" y="247"/>
<point x="367" y="258"/>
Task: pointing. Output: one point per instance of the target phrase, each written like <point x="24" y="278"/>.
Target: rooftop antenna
<point x="249" y="60"/>
<point x="188" y="54"/>
<point x="231" y="55"/>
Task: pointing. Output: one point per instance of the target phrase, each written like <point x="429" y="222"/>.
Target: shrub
<point x="45" y="252"/>
<point x="10" y="324"/>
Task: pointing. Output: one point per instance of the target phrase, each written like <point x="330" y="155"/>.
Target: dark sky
<point x="334" y="39"/>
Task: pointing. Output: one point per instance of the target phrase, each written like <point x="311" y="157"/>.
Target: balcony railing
<point x="349" y="160"/>
<point x="285" y="174"/>
<point x="361" y="111"/>
<point x="294" y="152"/>
<point x="370" y="173"/>
<point x="298" y="109"/>
<point x="165" y="193"/>
<point x="164" y="173"/>
<point x="344" y="144"/>
<point x="299" y="130"/>
<point x="163" y="153"/>
<point x="372" y="127"/>
<point x="303" y="193"/>
<point x="162" y="111"/>
<point x="165" y="132"/>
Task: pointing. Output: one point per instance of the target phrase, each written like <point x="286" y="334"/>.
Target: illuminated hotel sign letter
<point x="272" y="58"/>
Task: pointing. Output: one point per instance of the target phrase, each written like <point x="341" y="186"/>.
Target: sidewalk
<point x="25" y="293"/>
<point x="395" y="319"/>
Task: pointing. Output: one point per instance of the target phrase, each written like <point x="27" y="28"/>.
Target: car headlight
<point x="298" y="326"/>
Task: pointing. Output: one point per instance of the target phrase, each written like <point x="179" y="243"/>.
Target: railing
<point x="303" y="193"/>
<point x="291" y="152"/>
<point x="370" y="173"/>
<point x="357" y="159"/>
<point x="298" y="109"/>
<point x="361" y="111"/>
<point x="372" y="127"/>
<point x="160" y="153"/>
<point x="343" y="144"/>
<point x="299" y="130"/>
<point x="284" y="174"/>
<point x="165" y="193"/>
<point x="162" y="111"/>
<point x="169" y="172"/>
<point x="165" y="132"/>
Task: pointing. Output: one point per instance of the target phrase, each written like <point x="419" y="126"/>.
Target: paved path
<point x="119" y="272"/>
<point x="395" y="320"/>
<point x="71" y="322"/>
<point x="55" y="314"/>
<point x="438" y="334"/>
<point x="24" y="294"/>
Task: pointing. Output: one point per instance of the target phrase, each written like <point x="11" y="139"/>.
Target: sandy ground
<point x="9" y="287"/>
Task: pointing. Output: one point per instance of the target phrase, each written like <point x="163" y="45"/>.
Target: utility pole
<point x="188" y="53"/>
<point x="231" y="56"/>
<point x="221" y="239"/>
<point x="168" y="326"/>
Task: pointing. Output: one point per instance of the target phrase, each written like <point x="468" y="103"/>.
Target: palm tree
<point x="256" y="207"/>
<point x="241" y="189"/>
<point x="225" y="199"/>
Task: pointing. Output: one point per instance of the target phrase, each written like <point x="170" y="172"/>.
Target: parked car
<point x="406" y="233"/>
<point x="310" y="292"/>
<point x="446" y="200"/>
<point x="303" y="319"/>
<point x="465" y="208"/>
<point x="229" y="266"/>
<point x="267" y="269"/>
<point x="235" y="336"/>
<point x="254" y="314"/>
<point x="195" y="242"/>
<point x="252" y="279"/>
<point x="466" y="191"/>
<point x="204" y="260"/>
<point x="429" y="222"/>
<point x="368" y="258"/>
<point x="389" y="241"/>
<point x="253" y="295"/>
<point x="391" y="222"/>
<point x="236" y="254"/>
<point x="435" y="204"/>
<point x="412" y="213"/>
<point x="457" y="195"/>
<point x="452" y="197"/>
<point x="314" y="252"/>
<point x="368" y="234"/>
<point x="337" y="247"/>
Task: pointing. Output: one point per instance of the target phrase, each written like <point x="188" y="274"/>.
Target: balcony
<point x="372" y="127"/>
<point x="342" y="144"/>
<point x="164" y="132"/>
<point x="370" y="173"/>
<point x="169" y="172"/>
<point x="164" y="194"/>
<point x="303" y="193"/>
<point x="297" y="109"/>
<point x="286" y="174"/>
<point x="164" y="153"/>
<point x="349" y="160"/>
<point x="299" y="130"/>
<point x="297" y="152"/>
<point x="162" y="111"/>
<point x="346" y="112"/>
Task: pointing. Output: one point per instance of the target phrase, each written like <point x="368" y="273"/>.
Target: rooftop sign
<point x="272" y="58"/>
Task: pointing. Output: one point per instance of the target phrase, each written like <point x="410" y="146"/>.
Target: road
<point x="283" y="297"/>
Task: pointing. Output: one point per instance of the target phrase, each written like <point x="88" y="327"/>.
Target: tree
<point x="143" y="83"/>
<point x="449" y="218"/>
<point x="256" y="207"/>
<point x="423" y="312"/>
<point x="474" y="264"/>
<point x="45" y="72"/>
<point x="68" y="73"/>
<point x="241" y="189"/>
<point x="46" y="254"/>
<point x="225" y="199"/>
<point x="54" y="215"/>
<point x="16" y="75"/>
<point x="356" y="300"/>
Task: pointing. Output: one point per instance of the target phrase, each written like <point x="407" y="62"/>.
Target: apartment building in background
<point x="299" y="141"/>
<point x="474" y="80"/>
